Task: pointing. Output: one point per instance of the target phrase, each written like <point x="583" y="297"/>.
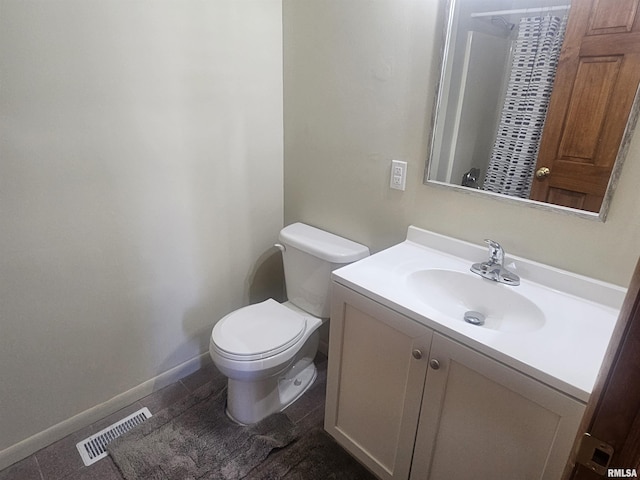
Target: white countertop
<point x="566" y="352"/>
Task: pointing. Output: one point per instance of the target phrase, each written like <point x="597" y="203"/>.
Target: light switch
<point x="398" y="174"/>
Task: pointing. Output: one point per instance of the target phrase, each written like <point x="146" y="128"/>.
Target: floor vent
<point x="92" y="449"/>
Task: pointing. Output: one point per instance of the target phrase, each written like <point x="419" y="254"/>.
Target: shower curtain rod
<point x="521" y="10"/>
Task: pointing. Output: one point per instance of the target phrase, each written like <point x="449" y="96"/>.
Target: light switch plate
<point x="398" y="175"/>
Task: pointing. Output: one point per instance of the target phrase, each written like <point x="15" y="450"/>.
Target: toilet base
<point x="250" y="402"/>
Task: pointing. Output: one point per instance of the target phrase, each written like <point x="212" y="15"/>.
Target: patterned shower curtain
<point x="535" y="58"/>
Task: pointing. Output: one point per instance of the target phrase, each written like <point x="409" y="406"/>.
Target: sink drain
<point x="474" y="318"/>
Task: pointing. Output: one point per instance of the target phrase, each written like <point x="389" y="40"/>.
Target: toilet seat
<point x="258" y="331"/>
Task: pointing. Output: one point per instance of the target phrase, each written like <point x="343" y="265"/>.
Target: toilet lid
<point x="259" y="330"/>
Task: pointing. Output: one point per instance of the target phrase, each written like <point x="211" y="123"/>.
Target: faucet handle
<point x="496" y="253"/>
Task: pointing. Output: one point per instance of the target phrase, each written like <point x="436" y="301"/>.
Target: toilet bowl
<point x="267" y="349"/>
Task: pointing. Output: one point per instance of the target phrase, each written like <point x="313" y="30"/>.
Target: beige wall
<point x="140" y="191"/>
<point x="359" y="84"/>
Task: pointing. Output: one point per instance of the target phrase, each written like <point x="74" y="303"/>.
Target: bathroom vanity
<point x="415" y="392"/>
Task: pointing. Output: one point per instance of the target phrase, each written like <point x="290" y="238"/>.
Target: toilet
<point x="267" y="349"/>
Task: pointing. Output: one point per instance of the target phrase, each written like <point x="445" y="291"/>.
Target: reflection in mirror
<point x="498" y="71"/>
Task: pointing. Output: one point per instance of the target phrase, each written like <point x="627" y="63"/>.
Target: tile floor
<point x="61" y="460"/>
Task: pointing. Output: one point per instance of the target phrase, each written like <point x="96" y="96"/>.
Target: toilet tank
<point x="309" y="257"/>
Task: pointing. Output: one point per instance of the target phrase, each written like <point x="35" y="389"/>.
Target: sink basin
<point x="455" y="293"/>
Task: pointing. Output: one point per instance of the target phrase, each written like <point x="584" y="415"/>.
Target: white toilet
<point x="267" y="349"/>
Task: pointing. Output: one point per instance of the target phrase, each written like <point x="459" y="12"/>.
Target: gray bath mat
<point x="194" y="439"/>
<point x="314" y="456"/>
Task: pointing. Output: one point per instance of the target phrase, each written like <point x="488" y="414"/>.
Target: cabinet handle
<point x="417" y="354"/>
<point x="435" y="364"/>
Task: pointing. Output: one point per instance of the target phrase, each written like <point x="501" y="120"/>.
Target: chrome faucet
<point x="493" y="269"/>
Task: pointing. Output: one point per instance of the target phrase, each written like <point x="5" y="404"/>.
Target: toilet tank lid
<point x="324" y="245"/>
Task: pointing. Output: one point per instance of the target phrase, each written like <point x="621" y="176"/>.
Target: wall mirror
<point x="536" y="101"/>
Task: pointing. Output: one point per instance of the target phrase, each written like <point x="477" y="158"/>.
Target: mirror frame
<point x="444" y="27"/>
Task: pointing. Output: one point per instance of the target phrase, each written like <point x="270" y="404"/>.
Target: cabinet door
<point x="377" y="366"/>
<point x="482" y="420"/>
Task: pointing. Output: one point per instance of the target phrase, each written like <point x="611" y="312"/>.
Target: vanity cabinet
<point x="411" y="403"/>
<point x="376" y="372"/>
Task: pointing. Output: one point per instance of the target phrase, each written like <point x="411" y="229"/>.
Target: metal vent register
<point x="92" y="449"/>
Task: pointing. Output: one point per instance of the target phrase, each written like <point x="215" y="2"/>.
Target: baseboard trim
<point x="32" y="444"/>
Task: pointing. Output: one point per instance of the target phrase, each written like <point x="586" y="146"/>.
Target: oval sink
<point x="455" y="293"/>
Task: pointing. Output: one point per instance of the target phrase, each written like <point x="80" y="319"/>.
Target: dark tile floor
<point x="61" y="460"/>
